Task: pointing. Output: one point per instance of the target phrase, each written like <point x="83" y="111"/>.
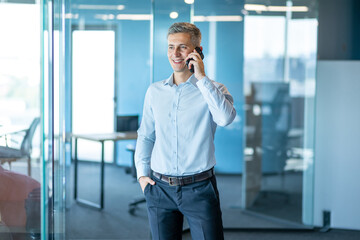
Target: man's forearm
<point x="220" y="101"/>
<point x="144" y="147"/>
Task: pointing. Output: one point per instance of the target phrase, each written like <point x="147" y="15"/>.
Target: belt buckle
<point x="173" y="181"/>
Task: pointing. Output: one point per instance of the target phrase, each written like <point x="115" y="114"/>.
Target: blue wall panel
<point x="133" y="75"/>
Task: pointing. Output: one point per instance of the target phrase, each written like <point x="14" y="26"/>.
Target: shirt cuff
<point x="143" y="171"/>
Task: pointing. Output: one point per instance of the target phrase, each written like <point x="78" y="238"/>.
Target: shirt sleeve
<point x="219" y="100"/>
<point x="146" y="139"/>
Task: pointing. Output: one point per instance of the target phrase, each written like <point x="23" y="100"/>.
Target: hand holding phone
<point x="198" y="49"/>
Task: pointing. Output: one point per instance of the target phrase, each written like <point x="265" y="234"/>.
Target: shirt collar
<point x="193" y="80"/>
<point x="170" y="81"/>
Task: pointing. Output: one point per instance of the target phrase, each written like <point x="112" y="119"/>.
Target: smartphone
<point x="187" y="61"/>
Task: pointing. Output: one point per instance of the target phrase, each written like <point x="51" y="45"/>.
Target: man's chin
<point x="184" y="69"/>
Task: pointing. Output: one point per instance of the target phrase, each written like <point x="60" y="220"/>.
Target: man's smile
<point x="178" y="61"/>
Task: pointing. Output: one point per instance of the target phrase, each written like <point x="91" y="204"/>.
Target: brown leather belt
<point x="183" y="180"/>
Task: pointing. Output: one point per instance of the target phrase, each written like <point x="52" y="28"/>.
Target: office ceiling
<point x="201" y="7"/>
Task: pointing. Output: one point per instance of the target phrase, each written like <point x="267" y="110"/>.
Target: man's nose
<point x="177" y="52"/>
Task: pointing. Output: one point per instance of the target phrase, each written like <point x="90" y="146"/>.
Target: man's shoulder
<point x="157" y="85"/>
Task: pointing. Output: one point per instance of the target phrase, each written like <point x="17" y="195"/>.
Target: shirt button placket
<point x="175" y="130"/>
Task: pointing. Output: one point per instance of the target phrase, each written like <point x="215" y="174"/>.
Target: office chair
<point x="9" y="155"/>
<point x="141" y="199"/>
<point x="123" y="124"/>
<point x="128" y="123"/>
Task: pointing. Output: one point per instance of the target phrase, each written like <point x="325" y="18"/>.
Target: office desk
<point x="116" y="136"/>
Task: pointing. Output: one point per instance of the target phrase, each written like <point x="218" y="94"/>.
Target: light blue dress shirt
<point x="176" y="135"/>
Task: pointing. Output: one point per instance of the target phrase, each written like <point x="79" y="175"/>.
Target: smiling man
<point x="175" y="153"/>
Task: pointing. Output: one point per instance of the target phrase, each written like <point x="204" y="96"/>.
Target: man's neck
<point x="181" y="77"/>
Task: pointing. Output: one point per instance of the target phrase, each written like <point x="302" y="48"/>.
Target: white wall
<point x="337" y="144"/>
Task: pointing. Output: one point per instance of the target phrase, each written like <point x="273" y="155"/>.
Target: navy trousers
<point x="197" y="202"/>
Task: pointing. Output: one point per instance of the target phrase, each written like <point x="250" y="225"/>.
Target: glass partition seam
<point x="52" y="123"/>
<point x="42" y="96"/>
<point x="286" y="43"/>
<point x="62" y="137"/>
<point x="48" y="161"/>
<point x="152" y="41"/>
<point x="116" y="81"/>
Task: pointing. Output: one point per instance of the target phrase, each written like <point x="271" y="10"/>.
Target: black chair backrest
<point x="127" y="123"/>
<point x="26" y="144"/>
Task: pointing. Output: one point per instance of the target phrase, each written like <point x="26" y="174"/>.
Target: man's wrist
<point x="142" y="177"/>
<point x="200" y="77"/>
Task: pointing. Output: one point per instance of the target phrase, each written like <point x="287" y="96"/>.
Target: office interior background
<point x="289" y="160"/>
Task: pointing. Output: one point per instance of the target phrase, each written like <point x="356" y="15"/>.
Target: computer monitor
<point x="127" y="123"/>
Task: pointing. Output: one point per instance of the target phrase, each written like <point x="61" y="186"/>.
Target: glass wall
<point x="97" y="60"/>
<point x="279" y="86"/>
<point x="20" y="124"/>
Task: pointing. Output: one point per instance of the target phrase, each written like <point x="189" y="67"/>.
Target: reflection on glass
<point x="20" y="182"/>
<point x="279" y="80"/>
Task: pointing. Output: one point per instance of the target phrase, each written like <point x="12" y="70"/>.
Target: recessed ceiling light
<point x="120" y="7"/>
<point x="174" y="15"/>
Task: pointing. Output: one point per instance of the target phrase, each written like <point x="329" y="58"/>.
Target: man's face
<point x="179" y="46"/>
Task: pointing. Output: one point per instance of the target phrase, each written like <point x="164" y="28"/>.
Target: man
<point x="175" y="148"/>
